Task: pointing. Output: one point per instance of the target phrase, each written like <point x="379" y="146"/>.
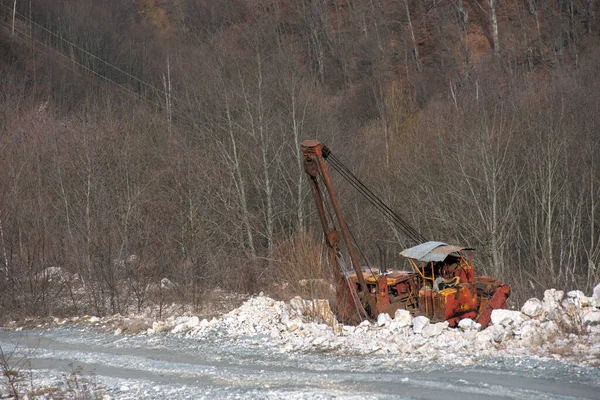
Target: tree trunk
<point x="412" y="35"/>
<point x="494" y="21"/>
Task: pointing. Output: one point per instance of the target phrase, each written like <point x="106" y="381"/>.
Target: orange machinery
<point x="441" y="285"/>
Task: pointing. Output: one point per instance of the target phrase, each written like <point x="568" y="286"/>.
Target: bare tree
<point x="494" y="25"/>
<point x="412" y="36"/>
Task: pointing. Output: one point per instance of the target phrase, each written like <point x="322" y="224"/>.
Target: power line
<point x="162" y="92"/>
<point x="85" y="51"/>
<point x="47" y="50"/>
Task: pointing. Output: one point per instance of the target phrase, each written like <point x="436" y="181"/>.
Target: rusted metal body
<point x="441" y="285"/>
<point x="314" y="166"/>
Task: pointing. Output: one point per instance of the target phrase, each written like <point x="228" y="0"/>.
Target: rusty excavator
<point x="441" y="285"/>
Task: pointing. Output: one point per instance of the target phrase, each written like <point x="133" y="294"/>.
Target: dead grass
<point x="564" y="350"/>
<point x="135" y="326"/>
<point x="302" y="269"/>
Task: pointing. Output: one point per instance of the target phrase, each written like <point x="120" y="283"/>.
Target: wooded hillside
<point x="160" y="139"/>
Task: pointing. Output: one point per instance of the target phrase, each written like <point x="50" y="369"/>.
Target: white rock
<point x="574" y="300"/>
<point x="179" y="328"/>
<point x="274" y="333"/>
<point x="94" y="319"/>
<point x="552" y="299"/>
<point x="591" y="318"/>
<point x="419" y="323"/>
<point x="383" y="319"/>
<point x="403" y="318"/>
<point x="432" y="330"/>
<point x="182" y="320"/>
<point x="506" y="317"/>
<point x="192" y="322"/>
<point x="530" y="329"/>
<point x="297" y="304"/>
<point x="593" y="329"/>
<point x="596" y="292"/>
<point x="494" y="333"/>
<point x="549" y="330"/>
<point x="394" y="326"/>
<point x="533" y="308"/>
<point x="466" y="324"/>
<point x="484" y="337"/>
<point x="150" y="332"/>
<point x="319" y="340"/>
<point x="118" y="331"/>
<point x="575" y="294"/>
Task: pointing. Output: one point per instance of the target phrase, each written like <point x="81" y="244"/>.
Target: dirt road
<point x="223" y="367"/>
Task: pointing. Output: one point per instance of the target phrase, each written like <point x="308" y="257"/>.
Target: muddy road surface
<point x="110" y="366"/>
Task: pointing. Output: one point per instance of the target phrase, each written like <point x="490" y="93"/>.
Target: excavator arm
<point x="314" y="154"/>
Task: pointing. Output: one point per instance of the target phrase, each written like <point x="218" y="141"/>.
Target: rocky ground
<point x="561" y="327"/>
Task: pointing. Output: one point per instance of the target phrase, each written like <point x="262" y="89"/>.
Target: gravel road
<point x="225" y="367"/>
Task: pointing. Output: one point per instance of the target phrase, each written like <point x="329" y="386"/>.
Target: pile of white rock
<point x="560" y="326"/>
<point x="258" y="315"/>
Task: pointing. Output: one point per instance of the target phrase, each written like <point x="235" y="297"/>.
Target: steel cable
<point x="398" y="221"/>
<point x="376" y="201"/>
<point x="382" y="207"/>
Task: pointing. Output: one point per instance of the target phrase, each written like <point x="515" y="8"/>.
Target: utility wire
<point x="43" y="46"/>
<point x="86" y="52"/>
<point x="58" y="55"/>
<point x="48" y="51"/>
<point x="162" y="92"/>
<point x="142" y="82"/>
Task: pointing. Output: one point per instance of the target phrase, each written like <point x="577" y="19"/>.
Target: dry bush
<point x="11" y="373"/>
<point x="302" y="269"/>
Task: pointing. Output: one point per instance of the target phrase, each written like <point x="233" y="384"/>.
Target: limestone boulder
<point x="591" y="318"/>
<point x="403" y="318"/>
<point x="419" y="323"/>
<point x="432" y="330"/>
<point x="507" y="317"/>
<point x="552" y="300"/>
<point x="383" y="319"/>
<point x="467" y="324"/>
<point x="533" y="308"/>
<point x="595" y="302"/>
<point x="494" y="333"/>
